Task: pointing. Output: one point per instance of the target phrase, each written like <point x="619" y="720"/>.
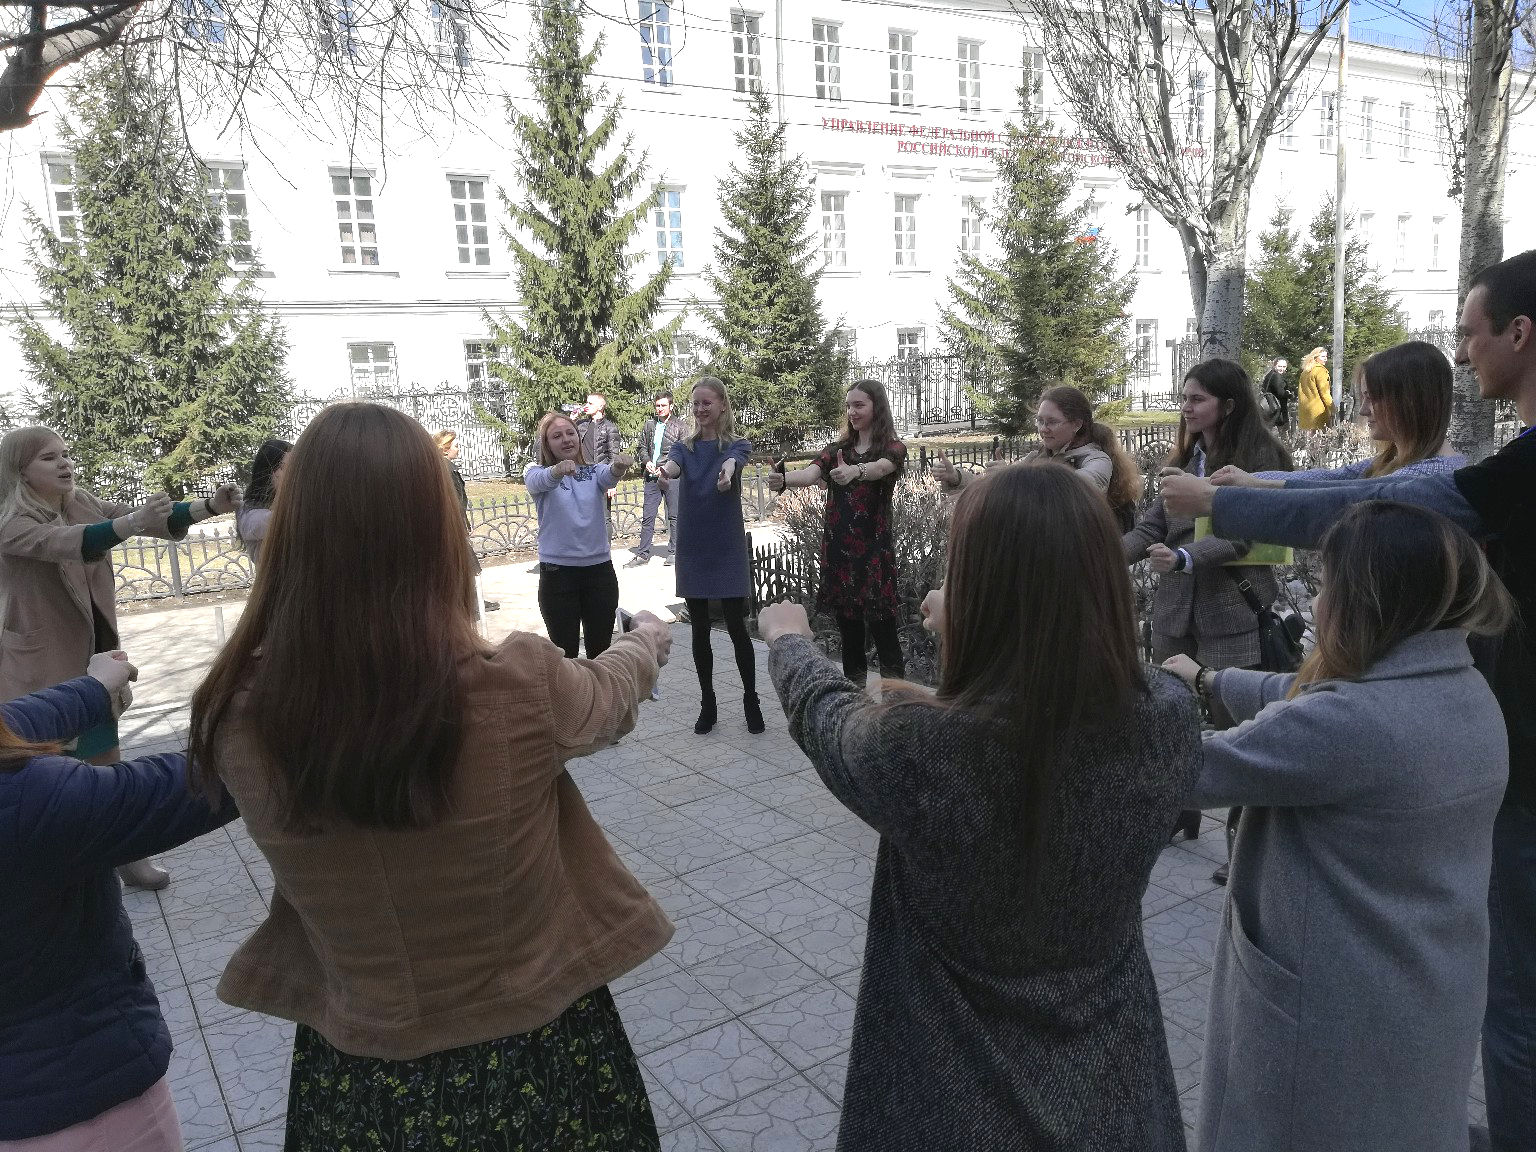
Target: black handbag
<point x="1279" y="633"/>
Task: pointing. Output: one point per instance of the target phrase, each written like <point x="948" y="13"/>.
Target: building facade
<point x="384" y="267"/>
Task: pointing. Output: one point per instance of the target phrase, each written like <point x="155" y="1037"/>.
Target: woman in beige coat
<point x="1314" y="392"/>
<point x="57" y="601"/>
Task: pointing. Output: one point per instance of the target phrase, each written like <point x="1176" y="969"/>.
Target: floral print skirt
<point x="573" y="1084"/>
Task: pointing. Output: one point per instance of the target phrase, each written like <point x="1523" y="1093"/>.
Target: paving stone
<point x="669" y="1114"/>
<point x="202" y="959"/>
<point x="195" y="1089"/>
<point x="1185" y="1004"/>
<point x="717" y="1068"/>
<point x="176" y="1008"/>
<point x="693" y="851"/>
<point x="689" y="1139"/>
<point x="252" y="1056"/>
<point x="856" y="834"/>
<point x="783" y="907"/>
<point x="206" y="1003"/>
<point x="655" y="968"/>
<point x="708" y="933"/>
<point x="684" y="790"/>
<point x="806" y="1027"/>
<point x="832" y="944"/>
<point x="734" y="877"/>
<point x="1185" y="1049"/>
<point x="1158" y="899"/>
<point x="829" y="1076"/>
<point x="753" y="974"/>
<point x="743" y="821"/>
<point x="788" y="1117"/>
<point x="847" y="882"/>
<point x="1181" y="942"/>
<point x="266" y="1138"/>
<point x="667" y="1010"/>
<point x="805" y="853"/>
<point x="1186" y="874"/>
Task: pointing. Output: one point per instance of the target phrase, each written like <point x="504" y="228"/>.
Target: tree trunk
<point x="1222" y="274"/>
<point x="1482" y="206"/>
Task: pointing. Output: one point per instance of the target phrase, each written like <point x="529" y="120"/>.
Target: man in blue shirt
<point x="1495" y="500"/>
<point x="657" y="436"/>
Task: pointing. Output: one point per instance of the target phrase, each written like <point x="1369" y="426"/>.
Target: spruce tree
<point x="167" y="371"/>
<point x="769" y="342"/>
<point x="1280" y="301"/>
<point x="1048" y="307"/>
<point x="582" y="328"/>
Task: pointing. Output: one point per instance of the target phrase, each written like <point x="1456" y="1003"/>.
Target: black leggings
<point x="735" y="610"/>
<point x="581" y="600"/>
<point x="856" y="651"/>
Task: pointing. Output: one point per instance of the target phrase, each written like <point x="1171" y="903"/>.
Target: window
<point x="1367" y="226"/>
<point x="827" y="39"/>
<point x="1143" y="237"/>
<point x="355" y="224"/>
<point x="339" y="27"/>
<point x="1033" y="85"/>
<point x="1437" y="226"/>
<point x="1437" y="317"/>
<point x="1405" y="131"/>
<point x="656" y="42"/>
<point x="61" y="194"/>
<point x="1404" y="223"/>
<point x="969" y="56"/>
<point x="1146" y="349"/>
<point x="747" y="47"/>
<point x="847" y="341"/>
<point x="834" y="229"/>
<point x="668" y="217"/>
<point x="471" y="225"/>
<point x="450" y="34"/>
<point x="373" y="368"/>
<point x="970" y="226"/>
<point x="1191" y="328"/>
<point x="479" y="355"/>
<point x="906" y="231"/>
<point x="909" y="343"/>
<point x="1194" y="113"/>
<point x="678" y="358"/>
<point x="1368" y="126"/>
<point x="901" y="69"/>
<point x="226" y="194"/>
<point x="1288" y="117"/>
<point x="1327" y="115"/>
<point x="204" y="20"/>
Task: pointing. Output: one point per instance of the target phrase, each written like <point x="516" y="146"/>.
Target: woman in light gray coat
<point x="1351" y="972"/>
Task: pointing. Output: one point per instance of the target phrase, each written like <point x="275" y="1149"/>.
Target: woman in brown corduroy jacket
<point x="447" y="914"/>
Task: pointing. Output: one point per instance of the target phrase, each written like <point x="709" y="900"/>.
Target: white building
<point x="383" y="267"/>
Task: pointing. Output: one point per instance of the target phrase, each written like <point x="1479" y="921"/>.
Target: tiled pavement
<point x="742" y="1023"/>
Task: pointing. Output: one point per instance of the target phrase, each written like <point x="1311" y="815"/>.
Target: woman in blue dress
<point x="712" y="559"/>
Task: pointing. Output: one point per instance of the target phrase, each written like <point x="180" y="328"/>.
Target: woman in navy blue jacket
<point x="83" y="1046"/>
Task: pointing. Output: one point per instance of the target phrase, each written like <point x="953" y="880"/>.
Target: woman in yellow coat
<point x="1314" y="394"/>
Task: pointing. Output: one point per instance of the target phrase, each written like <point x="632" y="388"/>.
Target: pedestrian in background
<point x="447" y="441"/>
<point x="712" y="562"/>
<point x="1007" y="1000"/>
<point x="1352" y="967"/>
<point x="657" y="435"/>
<point x="256" y="504"/>
<point x="858" y="559"/>
<point x="1275" y="397"/>
<point x="1314" y="392"/>
<point x="58" y="595"/>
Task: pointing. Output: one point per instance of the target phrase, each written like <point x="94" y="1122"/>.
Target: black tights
<point x="856" y="651"/>
<point x="735" y="610"/>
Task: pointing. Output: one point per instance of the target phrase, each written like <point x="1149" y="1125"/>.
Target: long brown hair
<point x="1039" y="625"/>
<point x="1243" y="437"/>
<point x="882" y="429"/>
<point x="1391" y="571"/>
<point x="1125" y="484"/>
<point x="15" y="752"/>
<point x="1411" y="384"/>
<point x="349" y="645"/>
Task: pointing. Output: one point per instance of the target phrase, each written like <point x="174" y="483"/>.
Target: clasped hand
<point x="114" y="672"/>
<point x="727" y="474"/>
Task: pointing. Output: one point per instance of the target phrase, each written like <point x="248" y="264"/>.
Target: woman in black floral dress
<point x="858" y="560"/>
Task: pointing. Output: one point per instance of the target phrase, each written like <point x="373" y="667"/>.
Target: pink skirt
<point x="146" y="1123"/>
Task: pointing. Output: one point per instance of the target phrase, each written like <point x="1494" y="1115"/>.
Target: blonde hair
<point x="18" y="448"/>
<point x="1310" y="359"/>
<point x="725" y="426"/>
<point x="546" y="457"/>
<point x="445" y="439"/>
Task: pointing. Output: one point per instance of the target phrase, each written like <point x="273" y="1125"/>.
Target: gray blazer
<point x="1352" y="968"/>
<point x="1203" y="604"/>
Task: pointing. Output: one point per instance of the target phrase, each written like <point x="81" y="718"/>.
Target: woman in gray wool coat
<point x="1007" y="1002"/>
<point x="1352" y="968"/>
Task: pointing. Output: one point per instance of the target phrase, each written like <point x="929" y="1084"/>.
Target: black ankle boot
<point x="706" y="719"/>
<point x="1189" y="824"/>
<point x="754" y="713"/>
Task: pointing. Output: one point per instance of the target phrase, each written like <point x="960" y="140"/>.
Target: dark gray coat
<point x="988" y="1022"/>
<point x="1352" y="969"/>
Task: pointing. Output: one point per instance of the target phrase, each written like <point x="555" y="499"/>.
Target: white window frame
<point x="1367" y="226"/>
<point x="847" y="342"/>
<point x="909" y="343"/>
<point x="373" y="367"/>
<point x="1288" y="117"/>
<point x="1032" y="82"/>
<point x="57" y="212"/>
<point x="450" y="35"/>
<point x="1328" y="122"/>
<point x="1144" y="341"/>
<point x="656" y="42"/>
<point x="900" y="45"/>
<point x="1368" y="125"/>
<point x="904" y="230"/>
<point x="1194" y="111"/>
<point x="667" y="223"/>
<point x="1405" y="131"/>
<point x="479" y="355"/>
<point x="968" y="59"/>
<point x="827" y="41"/>
<point x="747" y="51"/>
<point x="204" y="21"/>
<point x="351" y="223"/>
<point x="970" y="225"/>
<point x="471" y="234"/>
<point x="834" y="229"/>
<point x="1143" y="237"/>
<point x="1437" y="318"/>
<point x="1402" y="247"/>
<point x="1436" y="251"/>
<point x="680" y="357"/>
<point x="224" y="179"/>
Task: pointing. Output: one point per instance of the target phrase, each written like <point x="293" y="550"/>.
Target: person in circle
<point x="256" y="506"/>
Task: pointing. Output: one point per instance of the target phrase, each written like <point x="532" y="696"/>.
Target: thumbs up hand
<point x="944" y="470"/>
<point x="843" y="473"/>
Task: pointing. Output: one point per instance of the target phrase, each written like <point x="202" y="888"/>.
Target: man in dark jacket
<point x="600" y="437"/>
<point x="1274" y="386"/>
<point x="657" y="435"/>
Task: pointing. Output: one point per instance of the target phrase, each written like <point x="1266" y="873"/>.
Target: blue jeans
<point x="1509" y="1026"/>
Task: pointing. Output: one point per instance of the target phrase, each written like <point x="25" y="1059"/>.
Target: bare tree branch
<point x="39" y="54"/>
